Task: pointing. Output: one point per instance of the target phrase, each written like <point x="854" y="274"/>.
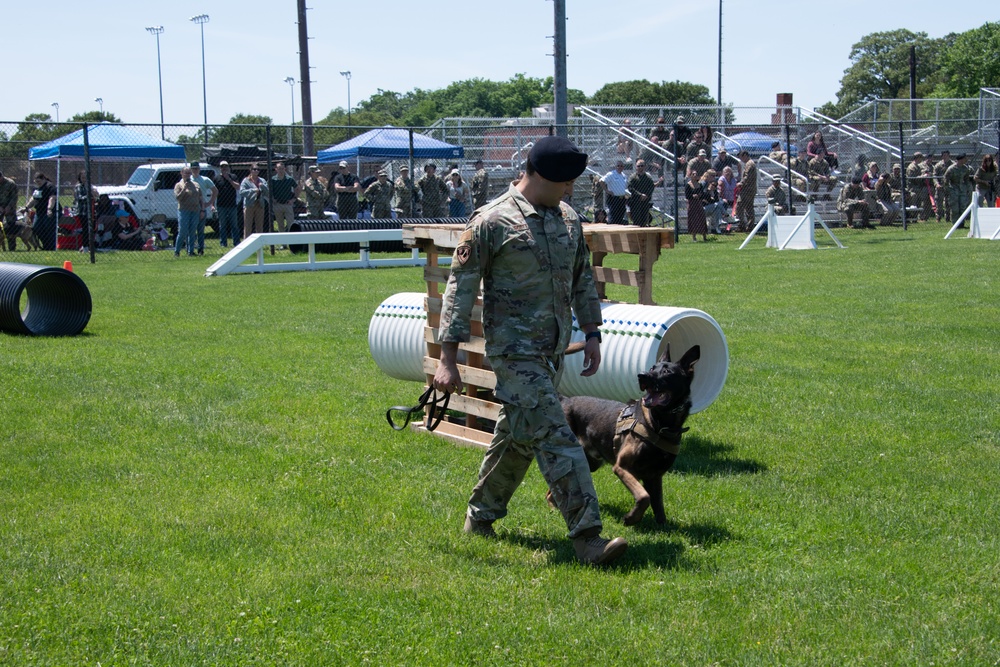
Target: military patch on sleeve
<point x="462" y="253"/>
<point x="466" y="236"/>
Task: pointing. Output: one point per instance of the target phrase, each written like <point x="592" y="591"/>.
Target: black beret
<point x="961" y="156"/>
<point x="557" y="159"/>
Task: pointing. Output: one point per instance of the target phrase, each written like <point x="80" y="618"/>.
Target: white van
<point x="150" y="190"/>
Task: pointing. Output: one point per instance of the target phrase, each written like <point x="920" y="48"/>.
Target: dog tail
<point x="573" y="348"/>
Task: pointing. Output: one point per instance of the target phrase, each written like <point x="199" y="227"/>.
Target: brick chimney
<point x="784" y="113"/>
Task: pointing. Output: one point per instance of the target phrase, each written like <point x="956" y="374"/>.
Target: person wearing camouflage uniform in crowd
<point x="405" y="192"/>
<point x="941" y="188"/>
<point x="379" y="195"/>
<point x="8" y="211"/>
<point x="527" y="248"/>
<point x="958" y="179"/>
<point x="917" y="193"/>
<point x="747" y="193"/>
<point x="480" y="186"/>
<point x="776" y="195"/>
<point x="640" y="202"/>
<point x="316" y="194"/>
<point x="433" y="192"/>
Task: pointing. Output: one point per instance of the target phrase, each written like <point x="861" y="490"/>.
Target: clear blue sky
<point x="73" y="52"/>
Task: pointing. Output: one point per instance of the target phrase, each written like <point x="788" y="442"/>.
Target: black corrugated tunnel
<point x="58" y="301"/>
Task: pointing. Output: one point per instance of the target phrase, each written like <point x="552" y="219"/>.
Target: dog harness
<point x="633" y="421"/>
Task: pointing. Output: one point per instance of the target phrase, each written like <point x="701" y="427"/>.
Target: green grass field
<point x="205" y="476"/>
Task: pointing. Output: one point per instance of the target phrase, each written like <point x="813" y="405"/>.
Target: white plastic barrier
<point x="635" y="337"/>
<point x="791" y="232"/>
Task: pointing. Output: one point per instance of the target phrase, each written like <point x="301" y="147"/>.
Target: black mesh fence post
<point x="902" y="171"/>
<point x="788" y="166"/>
<point x="677" y="206"/>
<point x="269" y="214"/>
<point x="88" y="214"/>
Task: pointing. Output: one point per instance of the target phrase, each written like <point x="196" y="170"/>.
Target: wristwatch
<point x="594" y="334"/>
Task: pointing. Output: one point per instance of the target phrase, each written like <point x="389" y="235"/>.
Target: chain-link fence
<point x="106" y="190"/>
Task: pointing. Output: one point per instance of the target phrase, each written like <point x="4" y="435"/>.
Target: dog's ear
<point x="666" y="355"/>
<point x="690" y="358"/>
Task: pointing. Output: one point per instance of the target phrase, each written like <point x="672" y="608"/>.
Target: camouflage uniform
<point x="316" y="196"/>
<point x="851" y="202"/>
<point x="380" y="196"/>
<point x="800" y="165"/>
<point x="916" y="190"/>
<point x="959" y="182"/>
<point x="480" y="189"/>
<point x="8" y="210"/>
<point x="744" y="200"/>
<point x="535" y="266"/>
<point x="819" y="174"/>
<point x="597" y="192"/>
<point x="777" y="195"/>
<point x="433" y="195"/>
<point x="941" y="190"/>
<point x="405" y="190"/>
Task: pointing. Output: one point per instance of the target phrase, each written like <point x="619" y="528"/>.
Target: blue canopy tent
<point x="389" y="143"/>
<point x="108" y="141"/>
<point x="754" y="143"/>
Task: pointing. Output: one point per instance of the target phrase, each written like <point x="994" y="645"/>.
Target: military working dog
<point x="640" y="438"/>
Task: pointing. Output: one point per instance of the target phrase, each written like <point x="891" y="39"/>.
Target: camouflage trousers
<point x="532" y="425"/>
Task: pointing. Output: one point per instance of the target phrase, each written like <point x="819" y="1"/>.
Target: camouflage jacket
<point x="535" y="268"/>
<point x="405" y="189"/>
<point x="380" y="194"/>
<point x="8" y="192"/>
<point x="480" y="188"/>
<point x="432" y="189"/>
<point x="939" y="169"/>
<point x="316" y="193"/>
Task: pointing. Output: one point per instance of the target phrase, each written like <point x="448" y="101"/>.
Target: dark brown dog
<point x="641" y="438"/>
<point x="24" y="232"/>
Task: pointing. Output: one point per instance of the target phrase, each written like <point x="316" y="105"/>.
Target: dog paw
<point x="632" y="518"/>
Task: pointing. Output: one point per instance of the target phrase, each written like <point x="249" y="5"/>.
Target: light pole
<point x="156" y="30"/>
<point x="347" y="75"/>
<point x="100" y="100"/>
<point x="201" y="20"/>
<point x="55" y="105"/>
<point x="290" y="80"/>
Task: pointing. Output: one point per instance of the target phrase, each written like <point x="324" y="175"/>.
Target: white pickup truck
<point x="150" y="190"/>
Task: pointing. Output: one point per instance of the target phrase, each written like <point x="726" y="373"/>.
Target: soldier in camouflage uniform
<point x="527" y="247"/>
<point x="433" y="192"/>
<point x="480" y="186"/>
<point x="316" y="194"/>
<point x="379" y="194"/>
<point x="941" y="188"/>
<point x="405" y="192"/>
<point x="958" y="179"/>
<point x="748" y="192"/>
<point x="8" y="211"/>
<point x="916" y="187"/>
<point x="776" y="195"/>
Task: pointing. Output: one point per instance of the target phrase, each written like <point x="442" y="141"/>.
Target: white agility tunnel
<point x="635" y="337"/>
<point x="791" y="232"/>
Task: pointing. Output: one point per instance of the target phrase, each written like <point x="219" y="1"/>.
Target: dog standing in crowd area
<point x="641" y="438"/>
<point x="23" y="230"/>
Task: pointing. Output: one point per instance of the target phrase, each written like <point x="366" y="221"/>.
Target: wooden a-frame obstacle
<point x="984" y="223"/>
<point x="790" y="232"/>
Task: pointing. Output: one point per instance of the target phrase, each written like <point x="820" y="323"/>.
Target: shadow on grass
<point x="700" y="456"/>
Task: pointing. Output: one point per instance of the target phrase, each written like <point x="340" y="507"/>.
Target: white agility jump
<point x="791" y="232"/>
<point x="256" y="244"/>
<point x="984" y="223"/>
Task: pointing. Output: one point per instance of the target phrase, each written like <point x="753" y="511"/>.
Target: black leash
<point x="435" y="413"/>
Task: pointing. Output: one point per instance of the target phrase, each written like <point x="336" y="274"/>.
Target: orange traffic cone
<point x="68" y="265"/>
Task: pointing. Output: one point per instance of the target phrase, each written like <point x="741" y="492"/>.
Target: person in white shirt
<point x="616" y="186"/>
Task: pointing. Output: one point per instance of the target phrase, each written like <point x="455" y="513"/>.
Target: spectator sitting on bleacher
<point x="800" y="171"/>
<point x="696" y="145"/>
<point x="727" y="187"/>
<point x="886" y="200"/>
<point x="851" y="202"/>
<point x="699" y="164"/>
<point x="870" y="177"/>
<point x="917" y="183"/>
<point x="818" y="147"/>
<point x="777" y="154"/>
<point x="723" y="160"/>
<point x="820" y="175"/>
<point x="777" y="196"/>
<point x="896" y="182"/>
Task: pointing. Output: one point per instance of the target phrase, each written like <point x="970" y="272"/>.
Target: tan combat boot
<point x="598" y="551"/>
<point x="483" y="528"/>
